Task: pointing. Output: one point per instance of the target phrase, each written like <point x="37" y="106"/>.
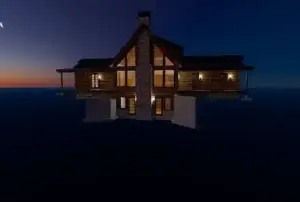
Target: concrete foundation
<point x="185" y="111"/>
<point x="101" y="109"/>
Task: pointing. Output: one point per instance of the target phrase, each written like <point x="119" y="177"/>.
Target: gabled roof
<point x="93" y="62"/>
<point x="130" y="43"/>
<point x="172" y="50"/>
<point x="232" y="62"/>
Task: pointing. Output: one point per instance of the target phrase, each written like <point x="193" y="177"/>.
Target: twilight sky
<point x="42" y="35"/>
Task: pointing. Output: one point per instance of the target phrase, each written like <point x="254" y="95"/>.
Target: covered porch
<point x="62" y="89"/>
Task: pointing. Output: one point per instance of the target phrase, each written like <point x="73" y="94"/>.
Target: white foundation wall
<point x="97" y="110"/>
<point x="143" y="78"/>
<point x="185" y="111"/>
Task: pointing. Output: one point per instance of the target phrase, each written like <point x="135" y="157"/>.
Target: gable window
<point x="158" y="78"/>
<point x="122" y="63"/>
<point x="120" y="78"/>
<point x="96" y="77"/>
<point x="168" y="62"/>
<point x="158" y="57"/>
<point x="169" y="78"/>
<point x="131" y="59"/>
<point x="131" y="78"/>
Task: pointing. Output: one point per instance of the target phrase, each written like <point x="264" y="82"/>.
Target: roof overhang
<point x="67" y="70"/>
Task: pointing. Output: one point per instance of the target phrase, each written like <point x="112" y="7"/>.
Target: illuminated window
<point x="96" y="77"/>
<point x="201" y="76"/>
<point x="123" y="102"/>
<point x="131" y="105"/>
<point x="168" y="104"/>
<point x="131" y="78"/>
<point x="158" y="106"/>
<point x="168" y="62"/>
<point x="230" y="76"/>
<point x="158" y="78"/>
<point x="120" y="78"/>
<point x="169" y="78"/>
<point x="131" y="59"/>
<point x="158" y="57"/>
<point x="122" y="63"/>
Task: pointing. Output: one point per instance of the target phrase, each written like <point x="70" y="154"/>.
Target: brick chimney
<point x="144" y="17"/>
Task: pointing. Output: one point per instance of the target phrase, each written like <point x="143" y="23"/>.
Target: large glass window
<point x="131" y="78"/>
<point x="131" y="105"/>
<point x="158" y="57"/>
<point x="158" y="106"/>
<point x="168" y="62"/>
<point x="96" y="77"/>
<point x="169" y="78"/>
<point x="131" y="59"/>
<point x="120" y="78"/>
<point x="158" y="78"/>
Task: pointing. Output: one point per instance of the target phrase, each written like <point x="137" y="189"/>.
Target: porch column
<point x="61" y="81"/>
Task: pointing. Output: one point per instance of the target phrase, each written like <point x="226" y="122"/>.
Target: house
<point x="147" y="76"/>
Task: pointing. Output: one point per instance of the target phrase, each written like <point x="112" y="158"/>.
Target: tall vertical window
<point x="158" y="78"/>
<point x="131" y="59"/>
<point x="168" y="104"/>
<point x="123" y="102"/>
<point x="96" y="77"/>
<point x="131" y="105"/>
<point x="158" y="57"/>
<point x="169" y="78"/>
<point x="158" y="106"/>
<point x="120" y="78"/>
<point x="131" y="78"/>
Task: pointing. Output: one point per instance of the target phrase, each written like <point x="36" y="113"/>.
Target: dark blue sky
<point x="42" y="35"/>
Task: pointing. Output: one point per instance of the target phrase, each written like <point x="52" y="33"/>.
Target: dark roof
<point x="93" y="62"/>
<point x="230" y="62"/>
<point x="218" y="59"/>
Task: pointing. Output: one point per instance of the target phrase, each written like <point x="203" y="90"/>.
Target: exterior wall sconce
<point x="201" y="76"/>
<point x="99" y="76"/>
<point x="230" y="76"/>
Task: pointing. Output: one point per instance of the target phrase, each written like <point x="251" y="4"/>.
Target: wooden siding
<point x="108" y="80"/>
<point x="82" y="80"/>
<point x="212" y="80"/>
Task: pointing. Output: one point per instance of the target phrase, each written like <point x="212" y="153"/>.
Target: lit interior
<point x="230" y="76"/>
<point x="201" y="76"/>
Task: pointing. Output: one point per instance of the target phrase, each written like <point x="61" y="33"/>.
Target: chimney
<point x="144" y="17"/>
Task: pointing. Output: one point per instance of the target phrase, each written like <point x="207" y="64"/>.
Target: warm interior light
<point x="200" y="76"/>
<point x="230" y="76"/>
<point x="152" y="99"/>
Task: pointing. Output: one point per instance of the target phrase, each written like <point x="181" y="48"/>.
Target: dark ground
<point x="242" y="148"/>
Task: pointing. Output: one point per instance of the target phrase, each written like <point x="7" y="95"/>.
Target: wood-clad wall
<point x="212" y="80"/>
<point x="108" y="80"/>
<point x="82" y="83"/>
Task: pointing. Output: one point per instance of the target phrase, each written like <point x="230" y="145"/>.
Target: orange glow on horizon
<point x="34" y="82"/>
